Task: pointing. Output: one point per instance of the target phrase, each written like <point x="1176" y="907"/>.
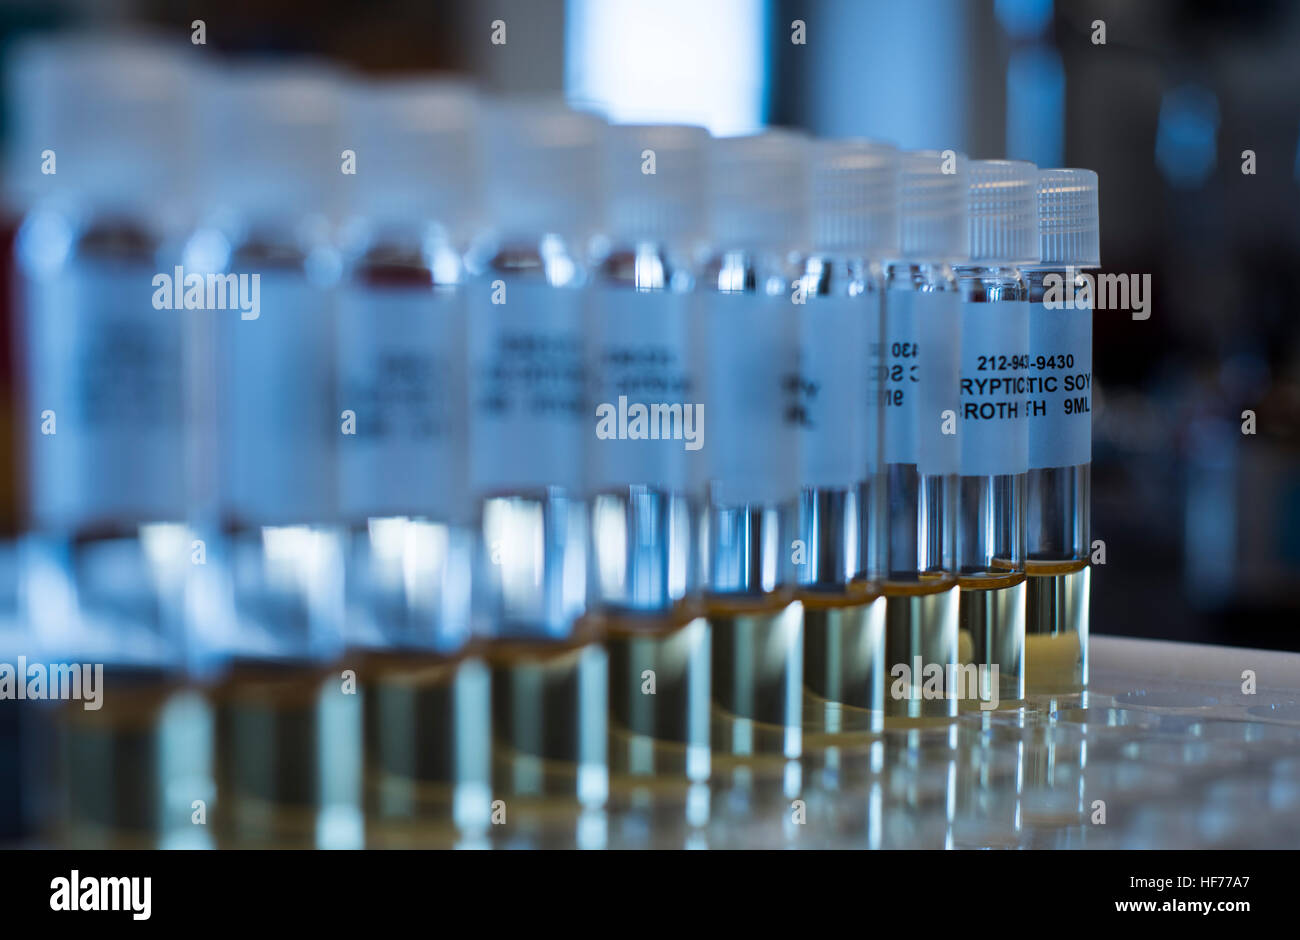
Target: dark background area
<point x="1201" y="522"/>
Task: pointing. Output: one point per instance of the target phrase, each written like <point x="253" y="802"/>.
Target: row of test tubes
<point x="422" y="468"/>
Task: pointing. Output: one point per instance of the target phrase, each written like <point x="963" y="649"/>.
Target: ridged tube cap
<point x="932" y="207"/>
<point x="113" y="109"/>
<point x="758" y="191"/>
<point x="415" y="143"/>
<point x="655" y="182"/>
<point x="271" y="138"/>
<point x="542" y="162"/>
<point x="1068" y="223"/>
<point x="855" y="198"/>
<point x="1003" y="212"/>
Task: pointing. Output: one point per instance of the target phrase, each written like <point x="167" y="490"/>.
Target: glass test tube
<point x="286" y="735"/>
<point x="108" y="554"/>
<point x="1060" y="440"/>
<point x="758" y="225"/>
<point x="854" y="220"/>
<point x="645" y="387"/>
<point x="997" y="397"/>
<point x="920" y="374"/>
<point x="529" y="429"/>
<point x="402" y="469"/>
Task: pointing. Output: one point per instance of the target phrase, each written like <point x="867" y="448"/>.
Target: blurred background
<point x="1201" y="523"/>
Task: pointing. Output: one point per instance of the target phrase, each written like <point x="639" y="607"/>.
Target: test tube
<point x="402" y="461"/>
<point x="1060" y="439"/>
<point x="921" y="455"/>
<point x="107" y="556"/>
<point x="645" y="387"/>
<point x="998" y="394"/>
<point x="854" y="209"/>
<point x="758" y="205"/>
<point x="529" y="428"/>
<point x="285" y="745"/>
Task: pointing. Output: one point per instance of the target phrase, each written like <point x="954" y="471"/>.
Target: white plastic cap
<point x="1068" y="223"/>
<point x="662" y="200"/>
<point x="855" y="198"/>
<point x="415" y="144"/>
<point x="543" y="165"/>
<point x="1003" y="209"/>
<point x="270" y="139"/>
<point x="759" y="191"/>
<point x="114" y="111"/>
<point x="932" y="207"/>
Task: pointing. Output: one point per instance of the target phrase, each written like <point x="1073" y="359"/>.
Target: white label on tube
<point x="921" y="361"/>
<point x="279" y="427"/>
<point x="751" y="440"/>
<point x="996" y="388"/>
<point x="643" y="391"/>
<point x="836" y="413"/>
<point x="401" y="373"/>
<point x="1060" y="358"/>
<point x="106" y="399"/>
<point x="528" y="416"/>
